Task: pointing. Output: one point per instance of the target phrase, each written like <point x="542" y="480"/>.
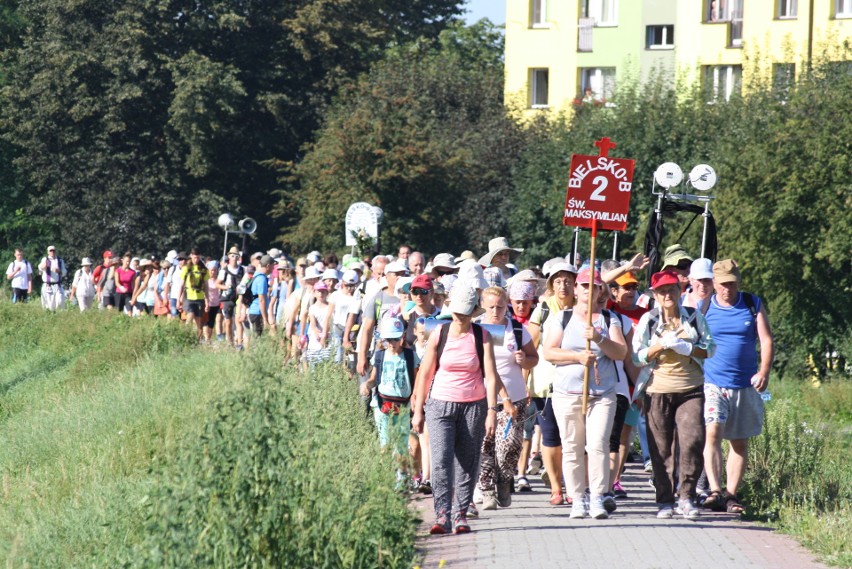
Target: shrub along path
<point x="532" y="533"/>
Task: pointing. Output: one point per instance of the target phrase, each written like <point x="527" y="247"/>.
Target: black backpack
<point x="379" y="360"/>
<point x="230" y="294"/>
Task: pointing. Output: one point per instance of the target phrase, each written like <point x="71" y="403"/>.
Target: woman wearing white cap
<point x="456" y="388"/>
<point x="83" y="286"/>
<point x="565" y="347"/>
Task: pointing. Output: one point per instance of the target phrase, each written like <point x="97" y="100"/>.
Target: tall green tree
<point x="422" y="135"/>
<point x="137" y="123"/>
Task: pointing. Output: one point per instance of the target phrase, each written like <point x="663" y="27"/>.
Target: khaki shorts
<point x="740" y="411"/>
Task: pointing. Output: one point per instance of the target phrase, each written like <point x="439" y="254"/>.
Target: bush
<point x="286" y="474"/>
<point x="795" y="463"/>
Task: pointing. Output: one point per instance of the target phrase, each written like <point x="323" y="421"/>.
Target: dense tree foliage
<point x="424" y="136"/>
<point x="137" y="123"/>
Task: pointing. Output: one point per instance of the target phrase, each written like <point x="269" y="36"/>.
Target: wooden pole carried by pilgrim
<point x="598" y="197"/>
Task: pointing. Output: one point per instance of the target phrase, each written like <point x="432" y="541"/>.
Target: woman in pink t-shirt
<point x="124" y="277"/>
<point x="460" y="403"/>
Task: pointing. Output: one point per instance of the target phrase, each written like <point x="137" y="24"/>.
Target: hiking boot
<point x="687" y="509"/>
<point x="618" y="490"/>
<point x="441" y="525"/>
<point x="489" y="500"/>
<point x="460" y="524"/>
<point x="523" y="484"/>
<point x="609" y="503"/>
<point x="504" y="494"/>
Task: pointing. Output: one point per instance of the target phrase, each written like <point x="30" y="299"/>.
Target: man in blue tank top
<point x="734" y="378"/>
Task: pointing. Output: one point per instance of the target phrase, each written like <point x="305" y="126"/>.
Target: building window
<point x="538" y="13"/>
<point x="659" y="37"/>
<point x="783" y="77"/>
<point x="788" y="9"/>
<point x="603" y="12"/>
<point x="601" y="80"/>
<point x="722" y="81"/>
<point x="843" y="9"/>
<point x="539" y="79"/>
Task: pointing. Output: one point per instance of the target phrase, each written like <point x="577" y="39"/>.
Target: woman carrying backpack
<point x="565" y="347"/>
<point x="456" y="388"/>
<point x="513" y="353"/>
<point x="671" y="342"/>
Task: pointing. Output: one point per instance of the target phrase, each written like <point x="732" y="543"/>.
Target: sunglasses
<point x="420" y="291"/>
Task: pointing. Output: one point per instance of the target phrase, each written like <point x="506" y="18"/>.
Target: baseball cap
<point x="586" y="276"/>
<point x="664" y="278"/>
<point x="726" y="271"/>
<point x="422" y="281"/>
<point x="331" y="274"/>
<point x="626" y="279"/>
<point x="463" y="300"/>
<point x="701" y="268"/>
<point x="395" y="267"/>
<point x="391" y="328"/>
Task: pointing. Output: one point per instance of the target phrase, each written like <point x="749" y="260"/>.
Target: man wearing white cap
<point x="83" y="286"/>
<point x="700" y="282"/>
<point x="53" y="270"/>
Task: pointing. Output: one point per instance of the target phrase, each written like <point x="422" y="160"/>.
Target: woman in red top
<point x="124" y="277"/>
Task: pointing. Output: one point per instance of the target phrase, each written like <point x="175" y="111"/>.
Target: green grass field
<point x="111" y="430"/>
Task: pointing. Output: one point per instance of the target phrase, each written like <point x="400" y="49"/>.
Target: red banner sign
<point x="599" y="190"/>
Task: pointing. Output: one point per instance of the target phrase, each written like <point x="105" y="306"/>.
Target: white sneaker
<point x="597" y="509"/>
<point x="687" y="509"/>
<point x="579" y="508"/>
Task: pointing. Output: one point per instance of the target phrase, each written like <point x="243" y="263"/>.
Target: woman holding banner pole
<point x="565" y="346"/>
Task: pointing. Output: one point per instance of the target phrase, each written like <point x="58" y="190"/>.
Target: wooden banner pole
<point x="589" y="310"/>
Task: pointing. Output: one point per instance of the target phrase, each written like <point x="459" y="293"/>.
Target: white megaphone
<point x="248" y="226"/>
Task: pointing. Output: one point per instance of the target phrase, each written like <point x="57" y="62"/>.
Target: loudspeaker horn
<point x="248" y="226"/>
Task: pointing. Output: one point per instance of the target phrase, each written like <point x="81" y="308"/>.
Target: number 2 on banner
<point x="600" y="184"/>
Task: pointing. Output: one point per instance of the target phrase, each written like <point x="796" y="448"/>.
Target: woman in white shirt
<point x="500" y="451"/>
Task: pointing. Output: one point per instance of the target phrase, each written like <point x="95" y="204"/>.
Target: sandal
<point x="715" y="501"/>
<point x="733" y="505"/>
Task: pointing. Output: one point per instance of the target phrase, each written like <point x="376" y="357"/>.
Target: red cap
<point x="664" y="278"/>
<point x="422" y="281"/>
<point x="107" y="254"/>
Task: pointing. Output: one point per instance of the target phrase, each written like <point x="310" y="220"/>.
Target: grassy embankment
<point x="123" y="444"/>
<point x="800" y="468"/>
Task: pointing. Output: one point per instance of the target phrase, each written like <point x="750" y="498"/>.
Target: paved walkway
<point x="532" y="533"/>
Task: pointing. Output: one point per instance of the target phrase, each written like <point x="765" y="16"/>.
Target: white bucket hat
<point x="497" y="245"/>
<point x="471" y="273"/>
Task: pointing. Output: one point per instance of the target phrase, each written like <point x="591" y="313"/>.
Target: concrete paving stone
<point x="532" y="533"/>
